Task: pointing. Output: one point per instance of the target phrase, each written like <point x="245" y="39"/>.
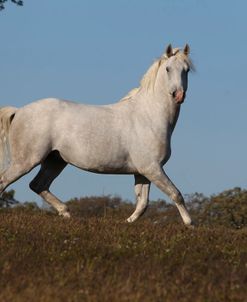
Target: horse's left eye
<point x="167" y="69"/>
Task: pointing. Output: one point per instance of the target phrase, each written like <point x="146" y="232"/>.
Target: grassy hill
<point x="97" y="256"/>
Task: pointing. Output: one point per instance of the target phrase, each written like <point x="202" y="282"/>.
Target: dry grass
<point x="101" y="258"/>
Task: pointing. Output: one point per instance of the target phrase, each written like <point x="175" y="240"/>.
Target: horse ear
<point x="186" y="49"/>
<point x="169" y="51"/>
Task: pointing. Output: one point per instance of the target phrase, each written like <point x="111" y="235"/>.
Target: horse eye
<point x="167" y="69"/>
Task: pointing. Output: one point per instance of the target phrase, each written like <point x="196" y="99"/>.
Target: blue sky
<point x="96" y="51"/>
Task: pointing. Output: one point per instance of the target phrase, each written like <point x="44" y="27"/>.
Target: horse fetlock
<point x="178" y="198"/>
<point x="133" y="218"/>
<point x="190" y="226"/>
<point x="64" y="212"/>
<point x="185" y="216"/>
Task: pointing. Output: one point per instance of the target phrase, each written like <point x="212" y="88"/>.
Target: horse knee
<point x="177" y="197"/>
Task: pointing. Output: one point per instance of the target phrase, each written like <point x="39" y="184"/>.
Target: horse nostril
<point x="174" y="93"/>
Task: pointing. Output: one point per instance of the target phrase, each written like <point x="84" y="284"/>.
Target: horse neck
<point x="160" y="107"/>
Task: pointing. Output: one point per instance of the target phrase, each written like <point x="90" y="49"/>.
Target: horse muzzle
<point x="179" y="96"/>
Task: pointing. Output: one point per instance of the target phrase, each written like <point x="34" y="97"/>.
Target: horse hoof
<point x="65" y="215"/>
<point x="131" y="219"/>
<point x="190" y="226"/>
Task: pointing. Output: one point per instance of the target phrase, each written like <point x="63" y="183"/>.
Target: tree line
<point x="228" y="208"/>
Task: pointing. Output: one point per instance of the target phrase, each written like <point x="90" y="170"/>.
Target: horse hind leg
<point x="51" y="167"/>
<point x="142" y="187"/>
<point x="15" y="171"/>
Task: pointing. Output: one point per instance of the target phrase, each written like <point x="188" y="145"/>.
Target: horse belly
<point x="99" y="157"/>
<point x="101" y="164"/>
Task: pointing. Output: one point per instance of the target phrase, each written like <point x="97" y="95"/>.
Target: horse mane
<point x="130" y="94"/>
<point x="149" y="78"/>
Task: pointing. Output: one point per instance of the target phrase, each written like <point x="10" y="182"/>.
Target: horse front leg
<point x="142" y="187"/>
<point x="157" y="176"/>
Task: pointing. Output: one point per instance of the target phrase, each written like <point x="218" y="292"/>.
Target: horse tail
<point x="6" y="116"/>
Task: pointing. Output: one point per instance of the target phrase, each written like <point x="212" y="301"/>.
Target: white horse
<point x="129" y="137"/>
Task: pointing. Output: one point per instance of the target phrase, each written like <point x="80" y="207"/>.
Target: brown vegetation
<point x="97" y="256"/>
